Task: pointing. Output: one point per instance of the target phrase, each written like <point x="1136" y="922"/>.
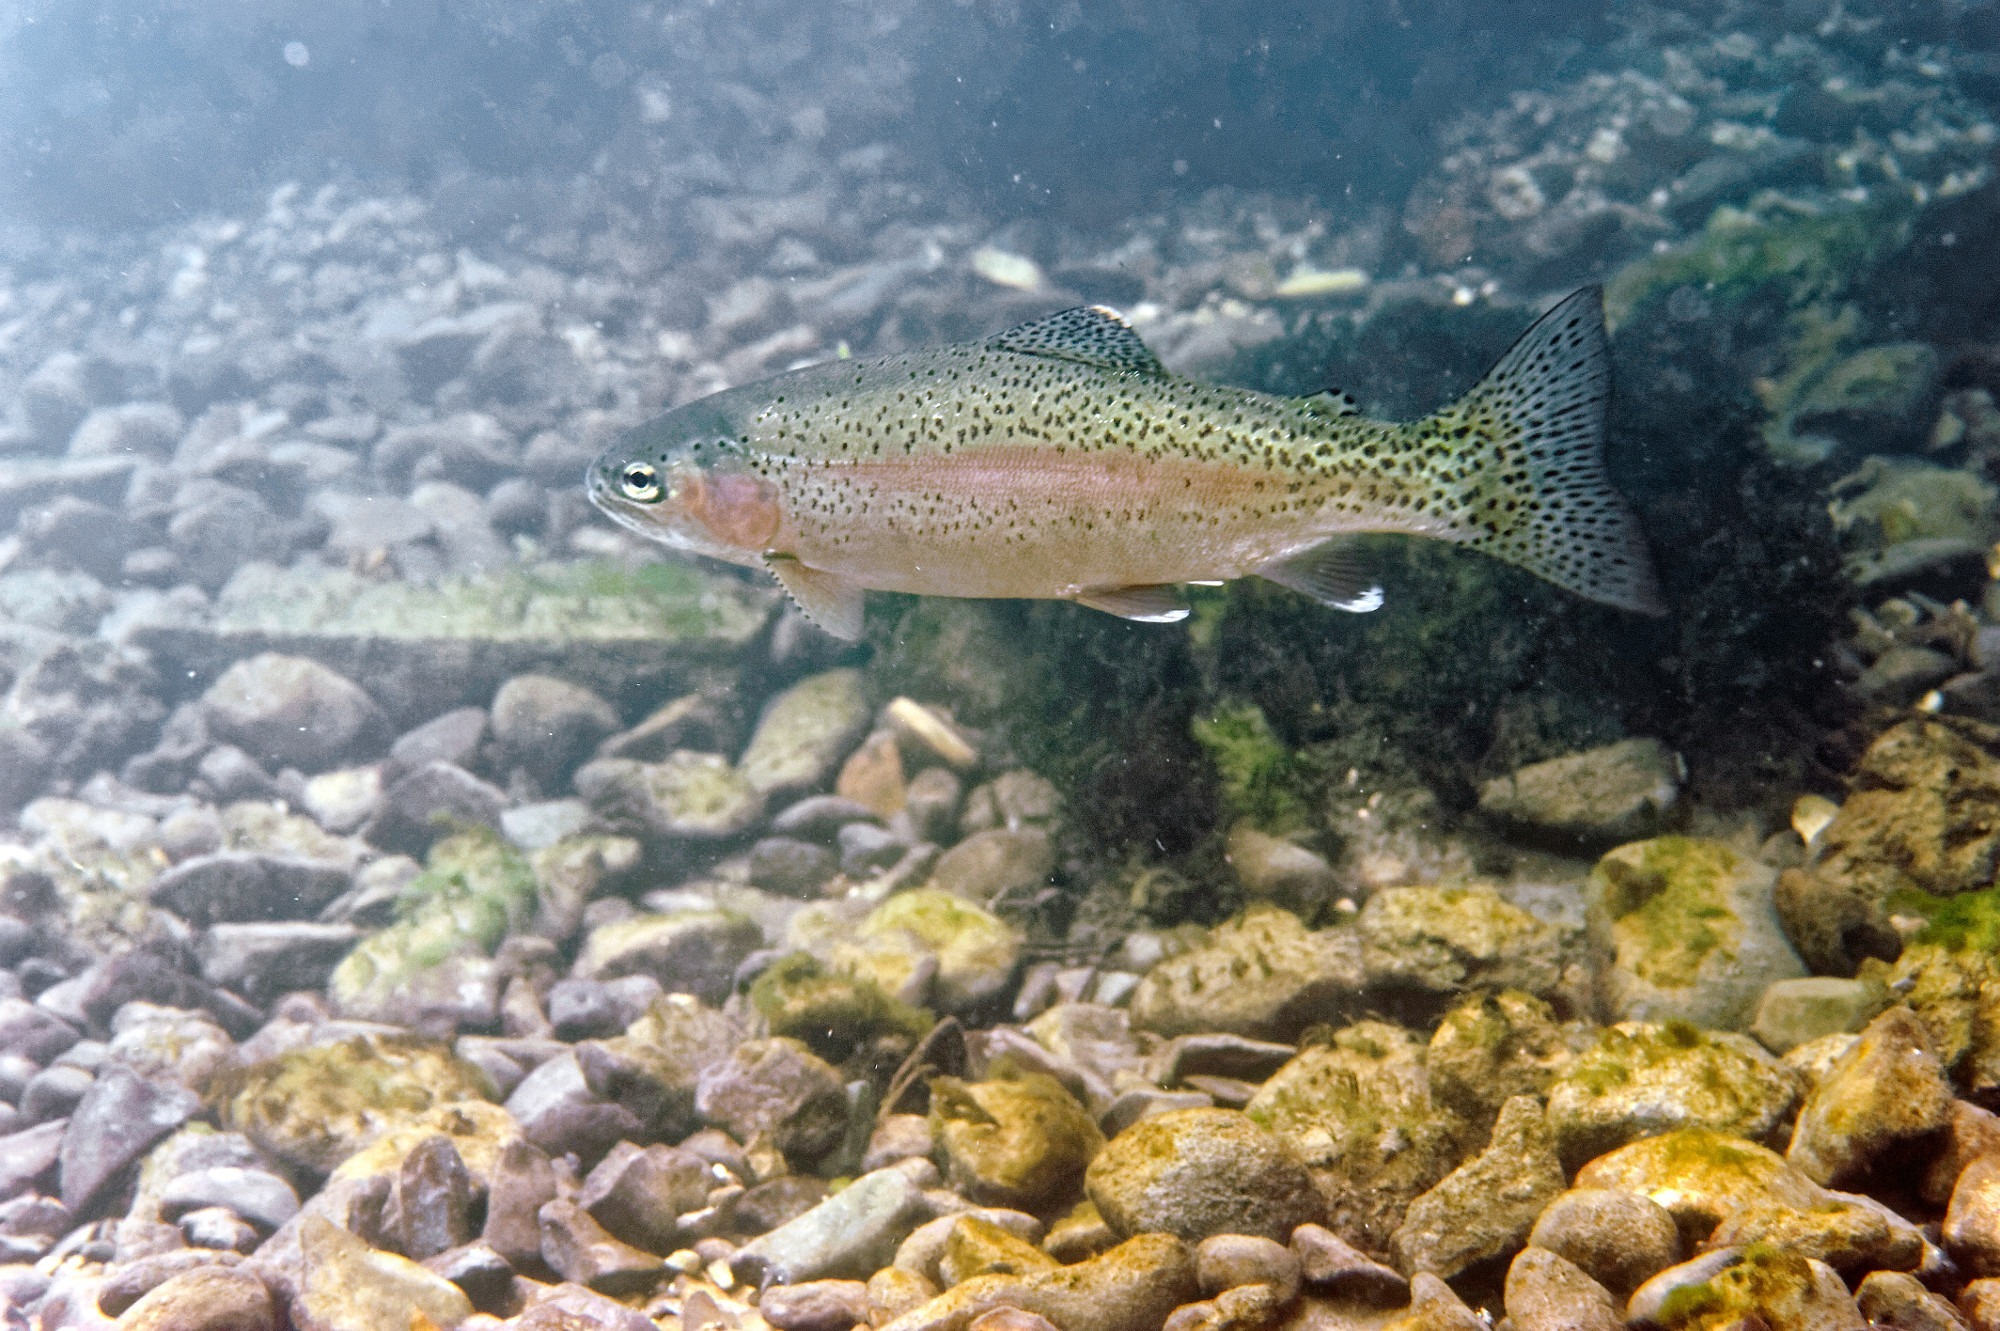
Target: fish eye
<point x="640" y="482"/>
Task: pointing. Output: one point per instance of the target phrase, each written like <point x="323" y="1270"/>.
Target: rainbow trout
<point x="1060" y="459"/>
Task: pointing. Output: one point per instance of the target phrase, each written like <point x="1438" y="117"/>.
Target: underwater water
<point x="999" y="666"/>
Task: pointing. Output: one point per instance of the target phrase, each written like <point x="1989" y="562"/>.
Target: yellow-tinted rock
<point x="1701" y="1176"/>
<point x="1887" y="1089"/>
<point x="318" y="1105"/>
<point x="976" y="1247"/>
<point x="1022" y="1142"/>
<point x="348" y="1286"/>
<point x="1197" y="1172"/>
<point x="1133" y="1287"/>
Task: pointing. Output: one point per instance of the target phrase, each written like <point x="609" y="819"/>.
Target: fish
<point x="1061" y="460"/>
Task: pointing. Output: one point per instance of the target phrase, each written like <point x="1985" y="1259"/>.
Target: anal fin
<point x="1153" y="604"/>
<point x="828" y="600"/>
<point x="1330" y="573"/>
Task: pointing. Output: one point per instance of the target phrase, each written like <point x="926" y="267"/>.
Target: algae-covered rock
<point x="1954" y="988"/>
<point x="805" y="731"/>
<point x="690" y="952"/>
<point x="1359" y="1113"/>
<point x="1261" y="975"/>
<point x="1775" y="1287"/>
<point x="1871" y="395"/>
<point x="1895" y="501"/>
<point x="1447" y="940"/>
<point x="1692" y="932"/>
<point x="1702" y="1177"/>
<point x="1847" y="1234"/>
<point x="686" y="796"/>
<point x="344" y="1284"/>
<point x="1614" y="793"/>
<point x="313" y="1107"/>
<point x="431" y="967"/>
<point x="1491" y="1047"/>
<point x="1641" y="1079"/>
<point x="1020" y="1142"/>
<point x="1133" y="1287"/>
<point x="1923" y="817"/>
<point x="973" y="950"/>
<point x="1888" y="1089"/>
<point x="834" y="1014"/>
<point x="1485" y="1208"/>
<point x="1197" y="1172"/>
<point x="1262" y="781"/>
<point x="425" y="648"/>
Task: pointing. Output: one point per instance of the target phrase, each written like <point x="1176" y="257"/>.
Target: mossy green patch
<point x="1666" y="901"/>
<point x="834" y="1014"/>
<point x="1262" y="780"/>
<point x="1808" y="256"/>
<point x="1769" y="1283"/>
<point x="315" y="1106"/>
<point x="474" y="890"/>
<point x="1967" y="922"/>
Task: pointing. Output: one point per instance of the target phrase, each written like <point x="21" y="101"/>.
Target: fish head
<point x="686" y="480"/>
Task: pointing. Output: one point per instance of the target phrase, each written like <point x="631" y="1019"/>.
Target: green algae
<point x="1262" y="780"/>
<point x="833" y="1014"/>
<point x="1967" y="922"/>
<point x="1672" y="904"/>
<point x="1808" y="256"/>
<point x="475" y="889"/>
<point x="1768" y="1281"/>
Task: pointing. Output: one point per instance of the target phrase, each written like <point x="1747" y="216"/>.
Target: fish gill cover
<point x="426" y="903"/>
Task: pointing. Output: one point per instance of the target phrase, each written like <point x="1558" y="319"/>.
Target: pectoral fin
<point x="1156" y="604"/>
<point x="829" y="600"/>
<point x="1331" y="574"/>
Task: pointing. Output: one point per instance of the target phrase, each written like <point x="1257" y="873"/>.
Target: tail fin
<point x="1525" y="453"/>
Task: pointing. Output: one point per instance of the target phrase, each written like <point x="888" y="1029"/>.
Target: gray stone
<point x="234" y="885"/>
<point x="118" y="1121"/>
<point x="804" y="732"/>
<point x="258" y="1196"/>
<point x="54" y="1093"/>
<point x="792" y="867"/>
<point x="851" y="1234"/>
<point x="262" y="961"/>
<point x="1336" y="1268"/>
<point x="33" y="1033"/>
<point x="1262" y="975"/>
<point x="433" y="1199"/>
<point x="1547" y="1293"/>
<point x="1795" y="1012"/>
<point x="639" y="1193"/>
<point x="1446" y="940"/>
<point x="579" y="1249"/>
<point x="519" y="1183"/>
<point x="1485" y="1208"/>
<point x="558" y="1113"/>
<point x="286" y="711"/>
<point x="820" y="817"/>
<point x="1619" y="792"/>
<point x="486" y="1277"/>
<point x="1619" y="1239"/>
<point x="780" y="1088"/>
<point x="219" y="1229"/>
<point x="546" y="726"/>
<point x="61" y="602"/>
<point x="28" y="1158"/>
<point x="865" y="848"/>
<point x="142" y="428"/>
<point x="817" y="1305"/>
<point x="422" y="807"/>
<point x="452" y="738"/>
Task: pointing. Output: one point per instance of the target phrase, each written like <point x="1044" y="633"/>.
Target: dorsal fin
<point x="1331" y="403"/>
<point x="1088" y="335"/>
